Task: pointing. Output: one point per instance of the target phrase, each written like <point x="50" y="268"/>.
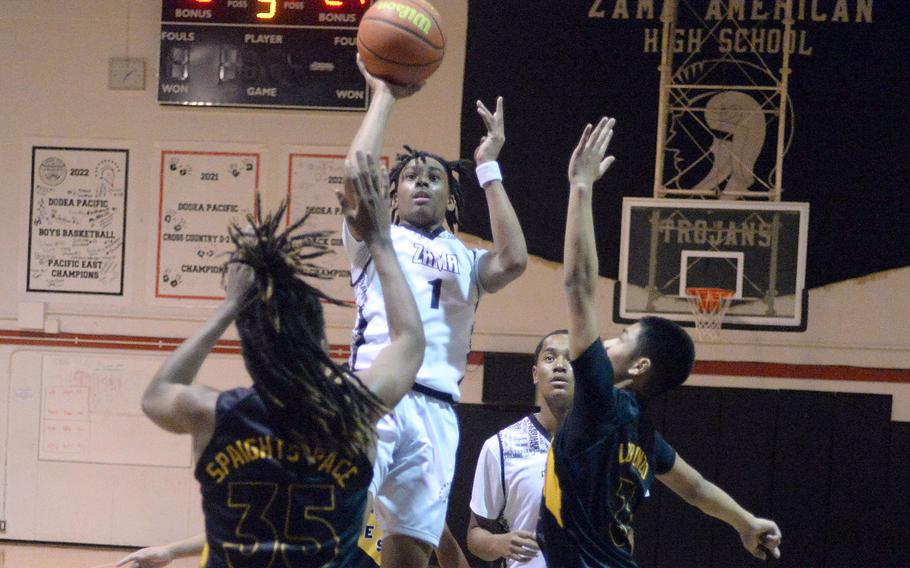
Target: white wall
<point x="54" y="57"/>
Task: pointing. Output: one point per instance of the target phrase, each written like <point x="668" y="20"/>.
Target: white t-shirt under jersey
<point x="524" y="449"/>
<point x="443" y="277"/>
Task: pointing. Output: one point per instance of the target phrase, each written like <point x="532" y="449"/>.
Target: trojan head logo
<point x="736" y="121"/>
<point x="721" y="139"/>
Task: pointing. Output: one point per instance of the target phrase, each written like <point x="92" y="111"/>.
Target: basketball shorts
<point x="415" y="463"/>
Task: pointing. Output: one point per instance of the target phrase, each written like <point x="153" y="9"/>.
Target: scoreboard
<point x="261" y="53"/>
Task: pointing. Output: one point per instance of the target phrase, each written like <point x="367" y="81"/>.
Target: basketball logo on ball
<point x="401" y="41"/>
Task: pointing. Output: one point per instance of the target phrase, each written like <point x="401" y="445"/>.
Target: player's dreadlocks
<point x="460" y="167"/>
<point x="282" y="333"/>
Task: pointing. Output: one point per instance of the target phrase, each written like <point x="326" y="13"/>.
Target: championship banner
<point x="201" y="194"/>
<point x="737" y="100"/>
<point x="313" y="176"/>
<point x="77" y="220"/>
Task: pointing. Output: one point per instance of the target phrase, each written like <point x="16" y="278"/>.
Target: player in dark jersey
<point x="284" y="467"/>
<point x="607" y="454"/>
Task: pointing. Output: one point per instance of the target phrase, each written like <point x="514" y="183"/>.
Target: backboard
<point x="756" y="249"/>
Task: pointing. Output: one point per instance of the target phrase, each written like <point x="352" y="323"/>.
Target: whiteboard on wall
<point x="87" y="405"/>
<point x="113" y="477"/>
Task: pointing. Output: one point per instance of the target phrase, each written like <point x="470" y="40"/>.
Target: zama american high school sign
<point x="716" y="126"/>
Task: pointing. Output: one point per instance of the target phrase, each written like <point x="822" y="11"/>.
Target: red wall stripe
<point x="793" y="371"/>
<point x="340" y="352"/>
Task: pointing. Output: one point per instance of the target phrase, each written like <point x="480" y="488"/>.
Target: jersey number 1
<point x="437" y="290"/>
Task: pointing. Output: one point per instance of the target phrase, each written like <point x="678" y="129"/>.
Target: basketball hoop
<point x="708" y="306"/>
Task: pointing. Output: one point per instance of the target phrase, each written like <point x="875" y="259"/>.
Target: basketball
<point x="401" y="41"/>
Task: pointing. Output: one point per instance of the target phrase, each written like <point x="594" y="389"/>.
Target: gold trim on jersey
<point x="370" y="542"/>
<point x="552" y="492"/>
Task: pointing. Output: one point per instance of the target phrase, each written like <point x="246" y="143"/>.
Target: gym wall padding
<point x="802" y="476"/>
<point x="507" y="378"/>
<point x="897" y="513"/>
<point x="691" y="426"/>
<point x="859" y="473"/>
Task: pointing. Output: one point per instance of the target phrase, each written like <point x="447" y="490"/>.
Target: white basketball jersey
<point x="519" y="463"/>
<point x="442" y="274"/>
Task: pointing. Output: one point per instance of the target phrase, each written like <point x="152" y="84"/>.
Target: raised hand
<point x="762" y="538"/>
<point x="365" y="199"/>
<point x="491" y="144"/>
<point x="588" y="163"/>
<point x="378" y="85"/>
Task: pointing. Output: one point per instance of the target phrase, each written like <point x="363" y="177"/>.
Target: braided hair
<point x="282" y="333"/>
<point x="456" y="195"/>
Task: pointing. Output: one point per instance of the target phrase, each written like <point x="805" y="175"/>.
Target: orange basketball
<point x="401" y="41"/>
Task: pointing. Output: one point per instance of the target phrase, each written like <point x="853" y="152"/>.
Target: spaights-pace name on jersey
<point x="241" y="452"/>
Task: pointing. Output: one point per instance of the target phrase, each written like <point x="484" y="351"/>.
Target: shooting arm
<point x="368" y="139"/>
<point x="371" y="133"/>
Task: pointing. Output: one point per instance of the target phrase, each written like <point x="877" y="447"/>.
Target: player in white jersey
<point x="443" y="273"/>
<point x="508" y="481"/>
<point x="417" y="443"/>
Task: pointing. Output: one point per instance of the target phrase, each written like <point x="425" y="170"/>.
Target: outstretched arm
<point x="509" y="257"/>
<point x="170" y="400"/>
<point x="160" y="556"/>
<point x="392" y="373"/>
<point x="760" y="537"/>
<point x="586" y="166"/>
<point x="371" y="133"/>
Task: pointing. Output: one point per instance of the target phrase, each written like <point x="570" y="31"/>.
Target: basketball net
<point x="708" y="305"/>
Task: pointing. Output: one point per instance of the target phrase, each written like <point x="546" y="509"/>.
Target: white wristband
<point x="487" y="172"/>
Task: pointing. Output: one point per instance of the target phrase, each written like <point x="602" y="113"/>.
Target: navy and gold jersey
<point x="601" y="464"/>
<point x="270" y="502"/>
<point x="369" y="547"/>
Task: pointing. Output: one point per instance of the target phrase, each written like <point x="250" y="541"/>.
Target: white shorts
<point x="415" y="463"/>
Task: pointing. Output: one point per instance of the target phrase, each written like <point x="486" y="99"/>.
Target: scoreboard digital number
<point x="261" y="53"/>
